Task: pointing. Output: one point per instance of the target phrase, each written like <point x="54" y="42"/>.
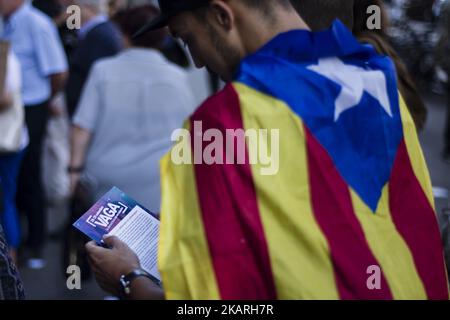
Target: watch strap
<point x="125" y="280"/>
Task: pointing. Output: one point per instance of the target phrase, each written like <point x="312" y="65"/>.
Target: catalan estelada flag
<point x="352" y="193"/>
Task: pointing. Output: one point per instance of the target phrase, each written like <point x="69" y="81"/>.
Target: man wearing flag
<point x="348" y="215"/>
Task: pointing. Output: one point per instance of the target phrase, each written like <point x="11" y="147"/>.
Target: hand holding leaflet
<point x="118" y="215"/>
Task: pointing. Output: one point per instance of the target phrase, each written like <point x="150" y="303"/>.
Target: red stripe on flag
<point x="333" y="209"/>
<point x="416" y="221"/>
<point x="231" y="218"/>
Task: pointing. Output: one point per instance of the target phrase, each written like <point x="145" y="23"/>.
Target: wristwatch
<point x="125" y="280"/>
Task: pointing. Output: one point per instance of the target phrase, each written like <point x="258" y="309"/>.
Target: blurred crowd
<point x="122" y="97"/>
<point x="82" y="104"/>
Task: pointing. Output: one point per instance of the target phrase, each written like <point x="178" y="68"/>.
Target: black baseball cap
<point x="170" y="8"/>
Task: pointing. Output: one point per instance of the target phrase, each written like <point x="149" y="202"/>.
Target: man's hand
<point x="110" y="264"/>
<point x="74" y="180"/>
<point x="58" y="82"/>
<point x="6" y="101"/>
<point x="55" y="110"/>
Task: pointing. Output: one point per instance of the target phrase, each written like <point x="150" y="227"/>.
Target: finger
<point x="91" y="260"/>
<point x="93" y="249"/>
<point x="113" y="242"/>
<point x="90" y="245"/>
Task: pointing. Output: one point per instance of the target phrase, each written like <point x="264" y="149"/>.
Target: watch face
<point x="125" y="285"/>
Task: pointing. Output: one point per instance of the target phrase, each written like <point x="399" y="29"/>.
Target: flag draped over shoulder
<point x="349" y="213"/>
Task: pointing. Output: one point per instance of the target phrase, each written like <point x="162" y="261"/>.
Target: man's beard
<point x="226" y="52"/>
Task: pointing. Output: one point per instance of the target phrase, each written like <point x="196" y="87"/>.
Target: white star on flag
<point x="354" y="81"/>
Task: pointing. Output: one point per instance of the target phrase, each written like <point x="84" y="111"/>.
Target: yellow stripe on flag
<point x="415" y="152"/>
<point x="298" y="250"/>
<point x="389" y="248"/>
<point x="184" y="261"/>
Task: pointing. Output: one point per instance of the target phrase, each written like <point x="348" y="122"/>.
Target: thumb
<point x="112" y="242"/>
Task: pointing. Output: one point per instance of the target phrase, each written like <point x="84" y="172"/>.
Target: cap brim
<point x="159" y="22"/>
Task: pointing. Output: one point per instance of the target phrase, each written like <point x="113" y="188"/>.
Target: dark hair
<point x="52" y="8"/>
<point x="320" y="14"/>
<point x="131" y="20"/>
<point x="361" y="16"/>
<point x="263" y="6"/>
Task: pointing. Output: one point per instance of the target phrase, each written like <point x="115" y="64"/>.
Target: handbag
<point x="11" y="119"/>
<point x="11" y="126"/>
<point x="56" y="157"/>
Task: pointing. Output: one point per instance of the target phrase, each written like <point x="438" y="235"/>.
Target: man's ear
<point x="221" y="14"/>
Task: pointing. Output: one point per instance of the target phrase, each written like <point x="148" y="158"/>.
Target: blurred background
<point x="416" y="30"/>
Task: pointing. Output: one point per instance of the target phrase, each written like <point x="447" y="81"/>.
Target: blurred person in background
<point x="52" y="8"/>
<point x="56" y="10"/>
<point x="115" y="6"/>
<point x="98" y="38"/>
<point x="129" y="108"/>
<point x="379" y="39"/>
<point x="443" y="59"/>
<point x="420" y="10"/>
<point x="171" y="49"/>
<point x="34" y="39"/>
<point x="11" y="287"/>
<point x="12" y="145"/>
